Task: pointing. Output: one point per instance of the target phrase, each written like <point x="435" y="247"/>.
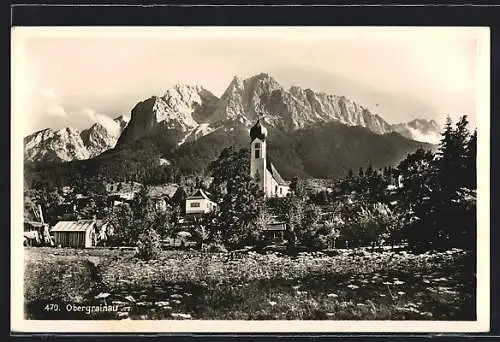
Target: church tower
<point x="258" y="165"/>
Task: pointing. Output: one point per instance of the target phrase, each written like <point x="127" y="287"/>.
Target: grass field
<point x="351" y="285"/>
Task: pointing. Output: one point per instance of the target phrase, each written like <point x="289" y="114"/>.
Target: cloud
<point x="55" y="110"/>
<point x="49" y="94"/>
<point x="108" y="123"/>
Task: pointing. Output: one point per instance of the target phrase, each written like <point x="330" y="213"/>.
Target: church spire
<point x="258" y="131"/>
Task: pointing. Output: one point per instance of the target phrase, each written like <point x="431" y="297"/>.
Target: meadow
<point x="351" y="284"/>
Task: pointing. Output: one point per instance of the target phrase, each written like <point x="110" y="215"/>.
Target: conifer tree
<point x="350" y="173"/>
<point x="471" y="156"/>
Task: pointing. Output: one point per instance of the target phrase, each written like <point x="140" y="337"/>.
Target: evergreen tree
<point x="178" y="200"/>
<point x="350" y="174"/>
<point x="461" y="136"/>
<point x="297" y="186"/>
<point x="451" y="158"/>
<point x="471" y="163"/>
<point x="369" y="171"/>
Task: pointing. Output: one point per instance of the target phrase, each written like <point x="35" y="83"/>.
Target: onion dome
<point x="258" y="131"/>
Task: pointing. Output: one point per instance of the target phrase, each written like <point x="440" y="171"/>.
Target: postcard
<point x="250" y="179"/>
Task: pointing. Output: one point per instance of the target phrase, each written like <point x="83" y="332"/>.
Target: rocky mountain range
<point x="69" y="144"/>
<point x="187" y="113"/>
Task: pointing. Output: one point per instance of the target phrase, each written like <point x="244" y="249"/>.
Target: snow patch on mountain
<point x="419" y="130"/>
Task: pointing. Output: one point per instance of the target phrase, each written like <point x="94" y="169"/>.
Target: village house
<point x="261" y="169"/>
<point x="76" y="234"/>
<point x="199" y="204"/>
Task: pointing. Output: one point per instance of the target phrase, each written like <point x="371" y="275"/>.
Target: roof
<point x="277" y="177"/>
<point x="199" y="194"/>
<point x="258" y="131"/>
<point x="163" y="190"/>
<point x="75" y="226"/>
<point x="275" y="226"/>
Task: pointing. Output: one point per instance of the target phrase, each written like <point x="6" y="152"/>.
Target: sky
<point x="74" y="76"/>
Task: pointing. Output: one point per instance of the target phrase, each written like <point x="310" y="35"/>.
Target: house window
<point x="276" y="189"/>
<point x="195" y="204"/>
<point x="281" y="190"/>
<point x="257" y="145"/>
<point x="257" y="154"/>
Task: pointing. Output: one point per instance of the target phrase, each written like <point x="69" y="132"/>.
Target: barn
<point x="76" y="234"/>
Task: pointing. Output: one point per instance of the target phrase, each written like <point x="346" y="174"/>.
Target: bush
<point x="215" y="248"/>
<point x="149" y="245"/>
<point x="373" y="225"/>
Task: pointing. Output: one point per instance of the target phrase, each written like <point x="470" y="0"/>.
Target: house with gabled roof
<point x="199" y="203"/>
<point x="262" y="169"/>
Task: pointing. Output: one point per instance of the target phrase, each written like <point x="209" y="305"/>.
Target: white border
<point x="19" y="324"/>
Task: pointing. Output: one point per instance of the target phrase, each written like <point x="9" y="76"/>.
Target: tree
<point x="142" y="206"/>
<point x="178" y="200"/>
<point x="419" y="174"/>
<point x="163" y="223"/>
<point x="350" y="173"/>
<point x="308" y="232"/>
<point x="333" y="233"/>
<point x="471" y="164"/>
<point x="369" y="171"/>
<point x="360" y="173"/>
<point x="440" y="207"/>
<point x="121" y="228"/>
<point x="148" y="244"/>
<point x="242" y="201"/>
<point x="297" y="186"/>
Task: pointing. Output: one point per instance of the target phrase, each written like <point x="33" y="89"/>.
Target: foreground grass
<point x="353" y="285"/>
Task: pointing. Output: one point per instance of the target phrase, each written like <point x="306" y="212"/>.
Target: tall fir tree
<point x="471" y="161"/>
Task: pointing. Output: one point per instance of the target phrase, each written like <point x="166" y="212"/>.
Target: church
<point x="261" y="168"/>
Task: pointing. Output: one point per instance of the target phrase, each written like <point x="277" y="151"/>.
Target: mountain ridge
<point x="185" y="113"/>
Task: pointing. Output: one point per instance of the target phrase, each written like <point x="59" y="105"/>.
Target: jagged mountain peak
<point x="181" y="108"/>
<point x="70" y="143"/>
<point x="423" y="124"/>
<point x="64" y="144"/>
<point x="262" y="96"/>
<point x="423" y="130"/>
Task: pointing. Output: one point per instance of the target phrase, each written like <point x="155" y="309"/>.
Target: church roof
<point x="272" y="169"/>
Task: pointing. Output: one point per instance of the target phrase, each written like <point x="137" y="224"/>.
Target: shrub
<point x="215" y="248"/>
<point x="149" y="245"/>
<point x="372" y="225"/>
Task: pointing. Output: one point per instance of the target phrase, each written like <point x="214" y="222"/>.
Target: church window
<point x="276" y="189"/>
<point x="281" y="190"/>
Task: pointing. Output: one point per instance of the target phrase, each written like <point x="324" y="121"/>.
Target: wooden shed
<point x="274" y="231"/>
<point x="76" y="234"/>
